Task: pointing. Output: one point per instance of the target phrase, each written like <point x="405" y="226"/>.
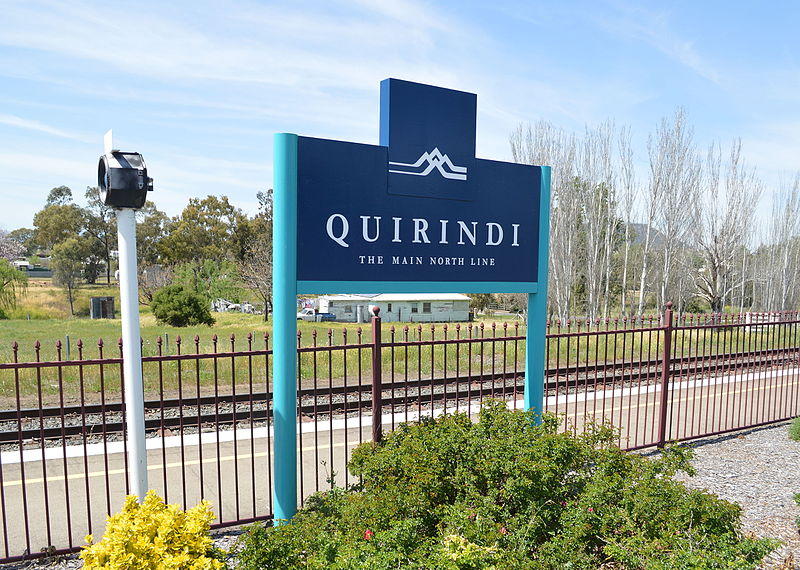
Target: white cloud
<point x="221" y="78"/>
<point x="19" y="122"/>
<point x="656" y="29"/>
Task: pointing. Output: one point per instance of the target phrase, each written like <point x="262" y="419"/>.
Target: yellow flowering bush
<point x="155" y="535"/>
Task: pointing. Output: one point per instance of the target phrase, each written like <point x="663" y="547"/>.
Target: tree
<point x="675" y="173"/>
<point x="95" y="260"/>
<point x="67" y="264"/>
<point x="628" y="192"/>
<point x="10" y="249"/>
<point x="151" y="227"/>
<point x="100" y="223"/>
<point x="12" y="283"/>
<point x="24" y="237"/>
<point x="543" y="143"/>
<point x="57" y="222"/>
<point x="210" y="228"/>
<point x="210" y="279"/>
<point x="584" y="225"/>
<point x="595" y="189"/>
<point x="721" y="226"/>
<point x="265" y="206"/>
<point x="59" y="196"/>
<point x="153" y="277"/>
<point x="480" y="301"/>
<point x="255" y="268"/>
<point x="179" y="307"/>
<point x="777" y="263"/>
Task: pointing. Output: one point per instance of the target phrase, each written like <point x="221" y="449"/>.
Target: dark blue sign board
<point x="419" y="207"/>
<point x="417" y="213"/>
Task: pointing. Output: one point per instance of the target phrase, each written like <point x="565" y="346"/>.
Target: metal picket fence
<point x="62" y="426"/>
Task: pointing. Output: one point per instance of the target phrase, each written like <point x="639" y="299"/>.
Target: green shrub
<point x="794" y="429"/>
<point x="175" y="306"/>
<point x="506" y="492"/>
<point x="155" y="535"/>
<point x="797" y="500"/>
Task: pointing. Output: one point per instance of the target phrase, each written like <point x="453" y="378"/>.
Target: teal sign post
<point x="418" y="213"/>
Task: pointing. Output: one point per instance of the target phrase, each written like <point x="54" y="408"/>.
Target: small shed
<point x="397" y="307"/>
<point x="101" y="307"/>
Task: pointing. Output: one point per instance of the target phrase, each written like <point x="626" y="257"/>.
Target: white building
<point x="409" y="307"/>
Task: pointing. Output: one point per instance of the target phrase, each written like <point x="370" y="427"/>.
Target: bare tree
<point x="10" y="248"/>
<point x="675" y="172"/>
<point x="723" y="217"/>
<point x="777" y="262"/>
<point x="596" y="193"/>
<point x="628" y="189"/>
<point x="153" y="277"/>
<point x="543" y="143"/>
<point x="255" y="270"/>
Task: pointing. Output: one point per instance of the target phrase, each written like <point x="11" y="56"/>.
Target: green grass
<point x="794" y="429"/>
<point x="497" y="354"/>
<point x="223" y="373"/>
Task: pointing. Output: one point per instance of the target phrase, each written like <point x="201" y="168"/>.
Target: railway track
<point x="28" y="427"/>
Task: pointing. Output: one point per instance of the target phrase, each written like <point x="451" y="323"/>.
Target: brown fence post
<point x="665" y="374"/>
<point x="377" y="396"/>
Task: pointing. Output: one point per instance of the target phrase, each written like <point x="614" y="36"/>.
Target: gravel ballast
<point x="758" y="468"/>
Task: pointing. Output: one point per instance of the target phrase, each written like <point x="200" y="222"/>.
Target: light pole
<point x="123" y="181"/>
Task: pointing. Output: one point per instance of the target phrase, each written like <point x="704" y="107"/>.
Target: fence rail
<point x="208" y="414"/>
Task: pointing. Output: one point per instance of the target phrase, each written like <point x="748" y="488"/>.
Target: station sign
<point x="418" y="207"/>
<point x="417" y="213"/>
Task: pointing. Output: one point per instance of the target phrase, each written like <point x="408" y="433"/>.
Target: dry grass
<point x="44" y="300"/>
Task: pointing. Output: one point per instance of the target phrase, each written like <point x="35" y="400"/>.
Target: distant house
<point x="409" y="307"/>
<point x="34" y="271"/>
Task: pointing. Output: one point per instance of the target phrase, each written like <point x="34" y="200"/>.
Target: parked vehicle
<point x="314" y="316"/>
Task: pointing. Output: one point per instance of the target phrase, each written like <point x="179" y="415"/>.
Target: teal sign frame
<point x="431" y="198"/>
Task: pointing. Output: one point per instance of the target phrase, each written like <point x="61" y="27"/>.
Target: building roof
<point x="353" y="297"/>
<point x="398" y="297"/>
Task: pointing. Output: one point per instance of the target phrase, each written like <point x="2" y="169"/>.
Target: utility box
<point x="101" y="307"/>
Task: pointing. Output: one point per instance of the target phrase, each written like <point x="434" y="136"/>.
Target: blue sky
<point x="200" y="87"/>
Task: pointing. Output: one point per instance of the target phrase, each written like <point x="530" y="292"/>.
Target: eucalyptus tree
<point x="151" y="227"/>
<point x="100" y="223"/>
<point x="59" y="196"/>
<point x="67" y="263"/>
<point x="211" y="228"/>
<point x="57" y="222"/>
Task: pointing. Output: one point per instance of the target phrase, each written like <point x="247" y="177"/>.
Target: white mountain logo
<point x="431" y="160"/>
